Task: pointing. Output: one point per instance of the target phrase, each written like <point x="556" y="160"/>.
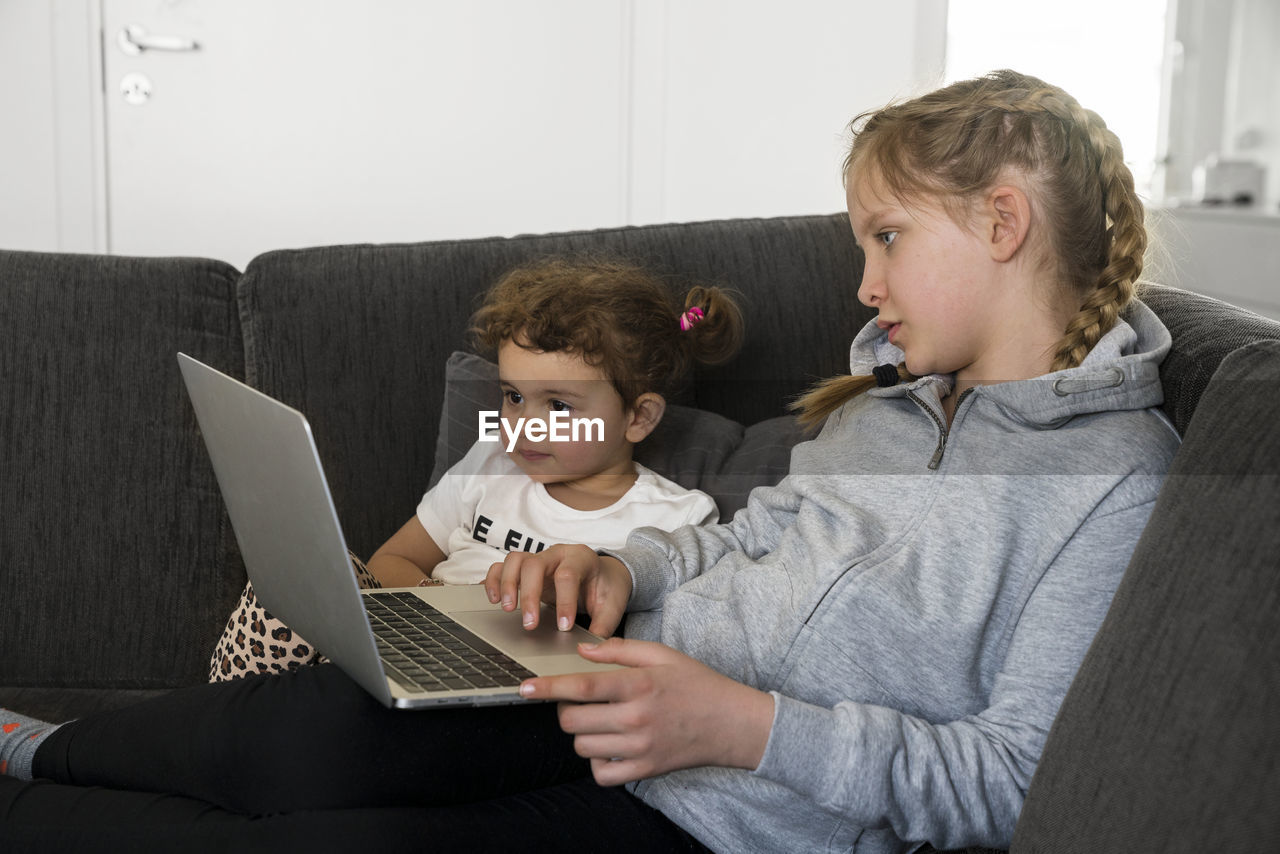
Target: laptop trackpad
<point x="544" y="650"/>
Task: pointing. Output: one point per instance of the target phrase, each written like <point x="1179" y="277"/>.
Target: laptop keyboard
<point x="425" y="650"/>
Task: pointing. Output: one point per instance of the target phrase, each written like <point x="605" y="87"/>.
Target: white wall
<point x="1233" y="255"/>
<point x="28" y="209"/>
<point x="730" y="115"/>
<point x="748" y="121"/>
<point x="51" y="180"/>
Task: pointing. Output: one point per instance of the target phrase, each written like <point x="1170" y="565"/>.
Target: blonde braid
<point x="1125" y="236"/>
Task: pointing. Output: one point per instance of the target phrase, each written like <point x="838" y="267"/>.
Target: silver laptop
<point x="284" y="519"/>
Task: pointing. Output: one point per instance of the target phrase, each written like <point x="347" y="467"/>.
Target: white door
<point x="236" y="126"/>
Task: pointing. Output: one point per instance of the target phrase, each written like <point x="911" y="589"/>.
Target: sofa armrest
<point x="1169" y="736"/>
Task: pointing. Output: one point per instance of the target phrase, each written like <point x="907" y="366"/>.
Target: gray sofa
<point x="118" y="566"/>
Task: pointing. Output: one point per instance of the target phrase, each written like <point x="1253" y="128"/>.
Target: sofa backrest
<point x="1205" y="331"/>
<point x="1169" y="736"/>
<point x="357" y="337"/>
<point x="112" y="531"/>
<point x="113" y="543"/>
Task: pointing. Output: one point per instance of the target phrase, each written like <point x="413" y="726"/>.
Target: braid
<point x="1126" y="241"/>
<point x="1124" y="237"/>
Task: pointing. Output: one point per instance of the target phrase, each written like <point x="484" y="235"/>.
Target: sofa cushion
<point x="695" y="448"/>
<point x="114" y="540"/>
<point x="1169" y="738"/>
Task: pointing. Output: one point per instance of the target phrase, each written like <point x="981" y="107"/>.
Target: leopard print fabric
<point x="256" y="642"/>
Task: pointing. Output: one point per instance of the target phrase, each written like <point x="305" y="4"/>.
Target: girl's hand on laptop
<point x="666" y="711"/>
<point x="579" y="580"/>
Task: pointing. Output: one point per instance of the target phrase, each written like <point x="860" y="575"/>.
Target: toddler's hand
<point x="580" y="580"/>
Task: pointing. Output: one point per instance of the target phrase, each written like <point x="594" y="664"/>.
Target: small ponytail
<point x="716" y="337"/>
<point x="813" y="407"/>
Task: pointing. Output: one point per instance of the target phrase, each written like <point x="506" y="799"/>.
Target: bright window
<point x="1106" y="53"/>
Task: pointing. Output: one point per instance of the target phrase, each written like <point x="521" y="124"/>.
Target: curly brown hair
<point x="618" y="317"/>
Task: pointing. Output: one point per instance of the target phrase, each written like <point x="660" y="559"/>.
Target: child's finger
<point x="515" y="568"/>
<point x="528" y="582"/>
<point x="614" y="772"/>
<point x="607" y="596"/>
<point x="501" y="583"/>
<point x="568" y="586"/>
<point x="493" y="583"/>
<point x="628" y="652"/>
<point x="605" y="617"/>
<point x="588" y="687"/>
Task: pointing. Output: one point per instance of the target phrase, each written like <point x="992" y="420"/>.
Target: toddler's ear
<point x="644" y="415"/>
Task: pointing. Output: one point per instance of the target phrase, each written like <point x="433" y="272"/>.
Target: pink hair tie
<point x="691" y="318"/>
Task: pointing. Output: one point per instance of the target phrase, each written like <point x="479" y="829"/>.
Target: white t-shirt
<point x="485" y="506"/>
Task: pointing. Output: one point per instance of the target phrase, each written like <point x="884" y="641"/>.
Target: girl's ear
<point x="644" y="415"/>
<point x="1008" y="213"/>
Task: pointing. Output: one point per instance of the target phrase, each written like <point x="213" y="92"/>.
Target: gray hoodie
<point x="916" y="598"/>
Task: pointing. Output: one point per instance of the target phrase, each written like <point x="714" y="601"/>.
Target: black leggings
<point x="307" y="761"/>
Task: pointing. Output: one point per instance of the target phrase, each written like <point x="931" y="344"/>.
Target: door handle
<point x="133" y="40"/>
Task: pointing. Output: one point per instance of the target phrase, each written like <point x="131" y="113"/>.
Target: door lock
<point x="136" y="88"/>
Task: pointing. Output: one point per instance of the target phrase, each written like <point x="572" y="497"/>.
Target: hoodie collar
<point x="1122" y="371"/>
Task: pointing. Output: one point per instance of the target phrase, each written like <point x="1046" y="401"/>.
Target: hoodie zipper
<point x="936" y="459"/>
